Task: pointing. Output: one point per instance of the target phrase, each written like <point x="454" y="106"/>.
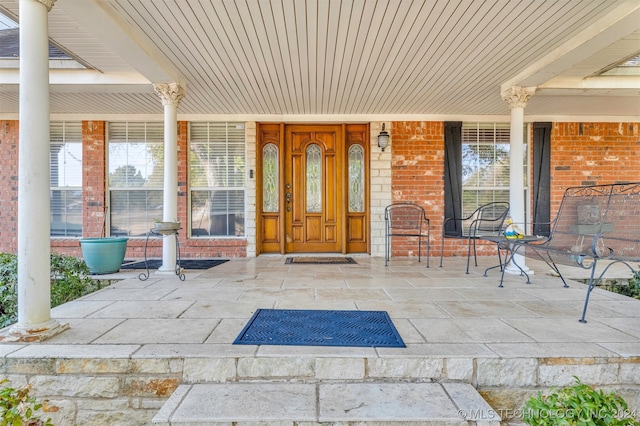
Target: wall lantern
<point x="383" y="139"/>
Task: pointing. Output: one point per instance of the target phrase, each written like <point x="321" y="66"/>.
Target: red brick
<point x="95" y="198"/>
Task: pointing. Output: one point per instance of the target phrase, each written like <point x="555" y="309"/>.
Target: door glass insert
<point x="314" y="179"/>
<point x="356" y="178"/>
<point x="270" y="174"/>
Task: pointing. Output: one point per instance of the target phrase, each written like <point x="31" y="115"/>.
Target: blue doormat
<point x="320" y="328"/>
<point x="184" y="263"/>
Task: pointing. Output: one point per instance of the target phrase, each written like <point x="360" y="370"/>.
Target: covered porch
<point x="414" y="66"/>
<point x="133" y="345"/>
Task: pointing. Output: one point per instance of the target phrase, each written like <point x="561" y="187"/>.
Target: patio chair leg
<point x="386" y="248"/>
<point x="586" y="300"/>
<point x="428" y="249"/>
<point x="502" y="275"/>
<point x="468" y="254"/>
<point x="475" y="253"/>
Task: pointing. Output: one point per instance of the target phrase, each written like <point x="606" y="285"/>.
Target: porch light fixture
<point x="383" y="139"/>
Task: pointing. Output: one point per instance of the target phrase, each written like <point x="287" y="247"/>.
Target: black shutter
<point x="541" y="178"/>
<point x="453" y="175"/>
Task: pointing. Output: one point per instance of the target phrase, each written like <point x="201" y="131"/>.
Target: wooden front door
<point x="312" y="182"/>
<point x="313" y="189"/>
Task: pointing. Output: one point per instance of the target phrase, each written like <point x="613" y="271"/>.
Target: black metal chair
<point x="406" y="220"/>
<point x="487" y="220"/>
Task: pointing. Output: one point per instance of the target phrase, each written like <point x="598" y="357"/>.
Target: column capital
<point x="517" y="97"/>
<point x="47" y="3"/>
<point x="170" y="93"/>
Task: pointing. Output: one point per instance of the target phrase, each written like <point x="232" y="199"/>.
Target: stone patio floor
<point x="468" y="330"/>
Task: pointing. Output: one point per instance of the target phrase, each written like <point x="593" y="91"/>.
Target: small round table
<point x="504" y="243"/>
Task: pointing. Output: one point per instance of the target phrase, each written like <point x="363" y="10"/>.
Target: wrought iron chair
<point x="406" y="220"/>
<point x="487" y="220"/>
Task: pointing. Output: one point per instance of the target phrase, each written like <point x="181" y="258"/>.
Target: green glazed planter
<point x="103" y="255"/>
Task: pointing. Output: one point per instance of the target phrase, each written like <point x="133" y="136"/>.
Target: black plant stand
<point x="162" y="233"/>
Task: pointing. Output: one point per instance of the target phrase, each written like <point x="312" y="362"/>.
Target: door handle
<point x="288" y="197"/>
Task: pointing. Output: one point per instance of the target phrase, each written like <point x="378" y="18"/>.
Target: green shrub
<point x="18" y="408"/>
<point x="632" y="289"/>
<point x="8" y="293"/>
<point x="577" y="405"/>
<point x="70" y="280"/>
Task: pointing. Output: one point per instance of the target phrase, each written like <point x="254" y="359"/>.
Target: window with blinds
<point x="65" y="158"/>
<point x="485" y="164"/>
<point x="136" y="176"/>
<point x="217" y="179"/>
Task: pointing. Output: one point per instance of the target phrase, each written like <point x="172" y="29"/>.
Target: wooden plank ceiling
<point x="334" y="57"/>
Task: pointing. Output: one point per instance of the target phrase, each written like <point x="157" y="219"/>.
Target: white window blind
<point x="217" y="179"/>
<point x="65" y="159"/>
<point x="486" y="164"/>
<point x="136" y="176"/>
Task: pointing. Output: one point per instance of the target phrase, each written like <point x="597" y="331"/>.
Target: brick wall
<point x="593" y="154"/>
<point x="93" y="188"/>
<point x="94" y="171"/>
<point x="418" y="176"/>
<point x="95" y="199"/>
<point x="379" y="186"/>
<point x="8" y="186"/>
<point x="581" y="154"/>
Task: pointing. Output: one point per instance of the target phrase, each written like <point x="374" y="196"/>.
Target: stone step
<point x="289" y="403"/>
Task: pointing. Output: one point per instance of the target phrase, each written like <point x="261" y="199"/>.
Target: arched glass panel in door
<point x="314" y="179"/>
<point x="356" y="178"/>
<point x="270" y="172"/>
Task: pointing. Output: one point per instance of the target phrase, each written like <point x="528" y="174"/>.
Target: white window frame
<point x="495" y="127"/>
<point x="69" y="133"/>
<point x="226" y="183"/>
<point x="150" y="128"/>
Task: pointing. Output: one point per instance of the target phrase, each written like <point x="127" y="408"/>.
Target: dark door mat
<point x="316" y="260"/>
<point x="184" y="263"/>
<point x="320" y="328"/>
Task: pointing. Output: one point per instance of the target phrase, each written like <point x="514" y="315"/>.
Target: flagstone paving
<point x="162" y="348"/>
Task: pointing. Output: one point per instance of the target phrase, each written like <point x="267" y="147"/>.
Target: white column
<point x="34" y="245"/>
<point x="517" y="98"/>
<point x="171" y="94"/>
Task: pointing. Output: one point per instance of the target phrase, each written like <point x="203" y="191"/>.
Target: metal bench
<point x="593" y="223"/>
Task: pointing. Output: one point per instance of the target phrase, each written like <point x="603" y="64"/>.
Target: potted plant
<point x="103" y="255"/>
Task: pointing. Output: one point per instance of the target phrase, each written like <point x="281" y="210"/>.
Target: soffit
<point x="338" y="56"/>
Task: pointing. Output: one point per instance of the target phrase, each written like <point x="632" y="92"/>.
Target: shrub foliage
<point x="632" y="289"/>
<point x="18" y="408"/>
<point x="70" y="280"/>
<point x="578" y="405"/>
